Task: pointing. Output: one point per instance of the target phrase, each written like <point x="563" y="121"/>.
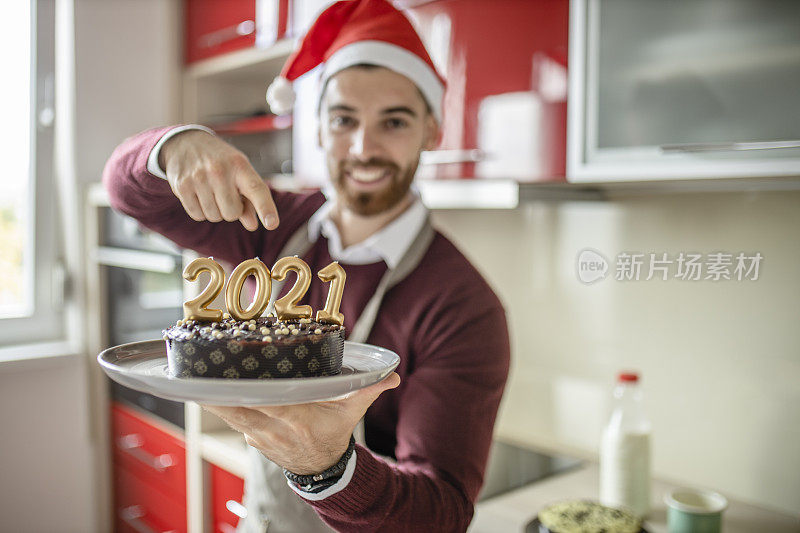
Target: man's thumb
<point x="366" y="396"/>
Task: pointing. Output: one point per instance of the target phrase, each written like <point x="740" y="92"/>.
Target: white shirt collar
<point x="389" y="244"/>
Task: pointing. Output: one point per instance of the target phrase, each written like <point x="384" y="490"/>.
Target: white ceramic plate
<point x="143" y="366"/>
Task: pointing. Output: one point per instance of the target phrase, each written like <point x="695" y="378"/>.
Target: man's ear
<point x="432" y="133"/>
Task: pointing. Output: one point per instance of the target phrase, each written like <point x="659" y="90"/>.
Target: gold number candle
<point x="233" y="293"/>
<point x="286" y="308"/>
<point x="335" y="274"/>
<point x="197" y="308"/>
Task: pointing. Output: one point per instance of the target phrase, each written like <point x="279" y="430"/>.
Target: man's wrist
<point x="321" y="492"/>
<point x="317" y="482"/>
<point x="155" y="162"/>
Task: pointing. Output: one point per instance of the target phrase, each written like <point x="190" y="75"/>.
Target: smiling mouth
<point x="368" y="175"/>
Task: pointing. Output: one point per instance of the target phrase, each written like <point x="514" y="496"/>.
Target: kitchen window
<point x="31" y="280"/>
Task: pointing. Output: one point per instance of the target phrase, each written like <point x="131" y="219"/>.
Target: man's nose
<point x="365" y="144"/>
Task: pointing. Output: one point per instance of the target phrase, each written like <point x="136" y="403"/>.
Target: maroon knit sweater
<point x="443" y="320"/>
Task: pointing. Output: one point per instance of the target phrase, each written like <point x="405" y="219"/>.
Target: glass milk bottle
<point x="625" y="450"/>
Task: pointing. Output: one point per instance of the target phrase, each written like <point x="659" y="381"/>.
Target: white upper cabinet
<point x="683" y="89"/>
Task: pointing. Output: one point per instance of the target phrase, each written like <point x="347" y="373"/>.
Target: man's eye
<point x="341" y="122"/>
<point x="396" y="123"/>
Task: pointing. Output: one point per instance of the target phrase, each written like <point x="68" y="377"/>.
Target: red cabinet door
<point x="214" y="27"/>
<point x="140" y="506"/>
<point x="153" y="454"/>
<point x="514" y="48"/>
<point x="226" y="499"/>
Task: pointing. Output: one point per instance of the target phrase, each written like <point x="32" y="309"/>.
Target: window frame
<point x="45" y="278"/>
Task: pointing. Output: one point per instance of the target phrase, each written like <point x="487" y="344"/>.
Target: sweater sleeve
<point x="134" y="191"/>
<point x="446" y="414"/>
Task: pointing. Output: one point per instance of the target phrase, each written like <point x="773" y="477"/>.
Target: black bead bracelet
<point x="307" y="482"/>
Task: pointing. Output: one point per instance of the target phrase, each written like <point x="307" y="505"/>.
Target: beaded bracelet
<point x="307" y="482"/>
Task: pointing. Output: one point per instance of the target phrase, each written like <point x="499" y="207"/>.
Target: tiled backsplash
<point x="720" y="360"/>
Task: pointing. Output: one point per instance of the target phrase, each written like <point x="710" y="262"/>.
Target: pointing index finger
<point x="252" y="187"/>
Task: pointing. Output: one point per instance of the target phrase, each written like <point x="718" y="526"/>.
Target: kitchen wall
<point x="128" y="74"/>
<point x="46" y="470"/>
<point x="720" y="361"/>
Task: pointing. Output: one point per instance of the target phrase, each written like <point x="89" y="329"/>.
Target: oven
<point x="142" y="294"/>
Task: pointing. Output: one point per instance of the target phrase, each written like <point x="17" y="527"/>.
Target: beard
<point x="368" y="203"/>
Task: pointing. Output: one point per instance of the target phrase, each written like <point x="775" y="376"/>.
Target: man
<point x="427" y="427"/>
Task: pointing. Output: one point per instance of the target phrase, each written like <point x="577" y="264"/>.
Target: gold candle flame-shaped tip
<point x="197" y="308"/>
<point x="233" y="293"/>
<point x="335" y="274"/>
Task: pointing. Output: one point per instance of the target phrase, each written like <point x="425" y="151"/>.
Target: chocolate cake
<point x="586" y="517"/>
<point x="262" y="348"/>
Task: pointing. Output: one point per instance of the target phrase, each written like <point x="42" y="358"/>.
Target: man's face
<point x="373" y="125"/>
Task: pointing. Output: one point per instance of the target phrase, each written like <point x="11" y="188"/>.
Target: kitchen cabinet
<point x="216" y="464"/>
<point x="135" y="288"/>
<point x="227" y="94"/>
<point x="233" y="51"/>
<point x="168" y="462"/>
<point x="683" y="90"/>
<point x="216" y="27"/>
<point x="149" y="472"/>
<point x="505" y="107"/>
<point x="226" y="499"/>
<point x="141" y="507"/>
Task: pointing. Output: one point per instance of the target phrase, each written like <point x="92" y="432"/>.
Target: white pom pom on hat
<point x="352" y="32"/>
<point x="280" y="96"/>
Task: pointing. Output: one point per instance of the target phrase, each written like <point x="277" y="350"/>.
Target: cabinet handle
<point x="133" y="516"/>
<point x="236" y="508"/>
<point x="444" y="157"/>
<point x="132" y="445"/>
<point x="216" y="38"/>
<point x="728" y="146"/>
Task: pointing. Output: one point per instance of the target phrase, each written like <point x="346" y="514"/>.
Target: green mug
<point x="694" y="511"/>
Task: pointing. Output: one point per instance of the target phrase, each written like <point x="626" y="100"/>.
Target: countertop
<point x="512" y="511"/>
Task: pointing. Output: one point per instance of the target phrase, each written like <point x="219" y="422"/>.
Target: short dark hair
<point x="368" y="66"/>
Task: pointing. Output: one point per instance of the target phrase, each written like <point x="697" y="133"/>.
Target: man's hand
<point x="214" y="181"/>
<point x="307" y="438"/>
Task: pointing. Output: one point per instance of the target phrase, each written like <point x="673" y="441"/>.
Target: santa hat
<point x="352" y="32"/>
